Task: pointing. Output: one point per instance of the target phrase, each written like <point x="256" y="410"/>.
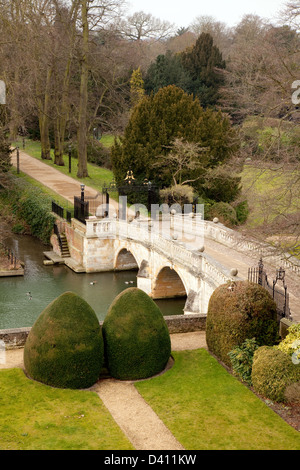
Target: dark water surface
<point x="46" y="283"/>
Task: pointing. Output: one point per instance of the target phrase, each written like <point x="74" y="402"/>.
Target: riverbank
<point x="9" y="264"/>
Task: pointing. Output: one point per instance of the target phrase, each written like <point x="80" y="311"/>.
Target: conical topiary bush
<point x="136" y="338"/>
<point x="65" y="346"/>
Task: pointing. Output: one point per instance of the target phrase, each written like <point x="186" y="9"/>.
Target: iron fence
<point x="81" y="209"/>
<point x="58" y="210"/>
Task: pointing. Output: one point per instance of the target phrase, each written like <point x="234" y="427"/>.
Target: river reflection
<point x="45" y="283"/>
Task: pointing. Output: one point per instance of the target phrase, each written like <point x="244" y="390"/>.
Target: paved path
<point x="52" y="178"/>
<point x="134" y="416"/>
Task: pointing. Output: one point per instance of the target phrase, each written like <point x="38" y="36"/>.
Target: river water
<point x="18" y="309"/>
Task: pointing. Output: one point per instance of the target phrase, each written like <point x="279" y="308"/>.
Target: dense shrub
<point x="136" y="338"/>
<point x="225" y="213"/>
<point x="5" y="151"/>
<point x="242" y="211"/>
<point x="292" y="393"/>
<point x="241" y="359"/>
<point x="65" y="345"/>
<point x="177" y="194"/>
<point x="291" y="343"/>
<point x="221" y="186"/>
<point x="234" y="315"/>
<point x="272" y="372"/>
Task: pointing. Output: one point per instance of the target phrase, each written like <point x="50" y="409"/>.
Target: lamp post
<point x="280" y="276"/>
<point x="82" y="186"/>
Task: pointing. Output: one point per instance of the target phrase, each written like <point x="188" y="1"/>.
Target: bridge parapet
<point x="149" y="233"/>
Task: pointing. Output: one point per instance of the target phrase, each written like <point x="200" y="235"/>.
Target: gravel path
<point x="134" y="416"/>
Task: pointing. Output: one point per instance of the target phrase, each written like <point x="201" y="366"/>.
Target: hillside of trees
<point x="189" y="106"/>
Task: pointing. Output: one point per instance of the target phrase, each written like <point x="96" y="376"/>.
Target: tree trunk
<point x="82" y="118"/>
<point x="58" y="146"/>
<point x="45" y="141"/>
<point x="44" y="120"/>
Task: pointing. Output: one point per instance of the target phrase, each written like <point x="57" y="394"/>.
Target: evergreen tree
<point x="167" y="70"/>
<point x="137" y="90"/>
<point x="198" y="71"/>
<point x="157" y="121"/>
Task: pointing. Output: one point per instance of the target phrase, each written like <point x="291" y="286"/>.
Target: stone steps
<point x="65" y="253"/>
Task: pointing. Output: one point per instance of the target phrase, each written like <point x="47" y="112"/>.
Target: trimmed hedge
<point x="273" y="372"/>
<point x="136" y="338"/>
<point x="65" y="346"/>
<point x="234" y="315"/>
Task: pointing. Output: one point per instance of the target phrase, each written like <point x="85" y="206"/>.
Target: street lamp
<point x="280" y="274"/>
<point x="82" y="186"/>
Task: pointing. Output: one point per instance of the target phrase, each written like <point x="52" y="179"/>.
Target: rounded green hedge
<point x="136" y="338"/>
<point x="244" y="312"/>
<point x="273" y="372"/>
<point x="65" y="345"/>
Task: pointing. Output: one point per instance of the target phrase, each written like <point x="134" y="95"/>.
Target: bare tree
<point x="142" y="26"/>
<point x="183" y="160"/>
<point x="219" y="31"/>
<point x="94" y="16"/>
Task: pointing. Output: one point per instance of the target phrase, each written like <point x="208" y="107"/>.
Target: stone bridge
<point x="169" y="256"/>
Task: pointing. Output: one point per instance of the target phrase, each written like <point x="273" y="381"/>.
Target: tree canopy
<point x="197" y="70"/>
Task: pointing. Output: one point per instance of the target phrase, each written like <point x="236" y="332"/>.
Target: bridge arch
<point x="125" y="261"/>
<point x="168" y="284"/>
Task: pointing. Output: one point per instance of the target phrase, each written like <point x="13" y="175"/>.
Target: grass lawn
<point x="206" y="408"/>
<point x="107" y="140"/>
<point x="97" y="175"/>
<point x="34" y="416"/>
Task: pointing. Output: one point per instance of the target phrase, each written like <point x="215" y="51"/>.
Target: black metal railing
<point x="280" y="296"/>
<point x="61" y="212"/>
<point x="58" y="210"/>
